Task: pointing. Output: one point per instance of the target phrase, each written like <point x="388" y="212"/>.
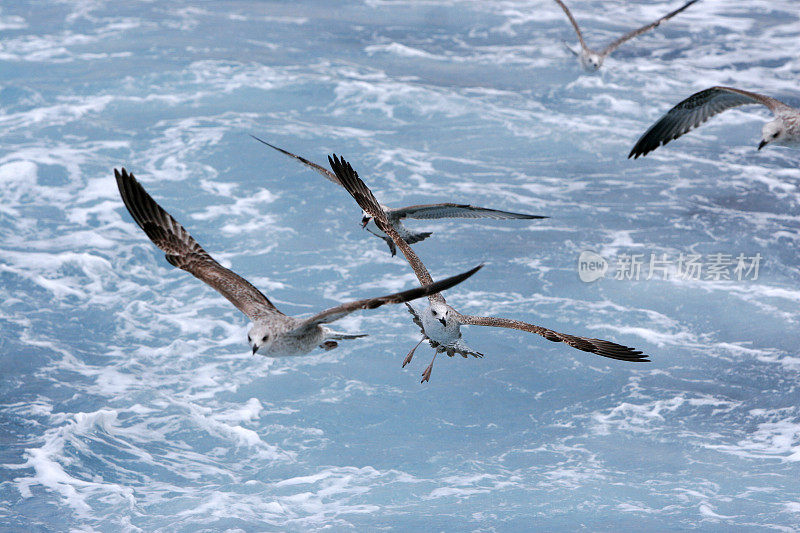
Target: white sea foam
<point x="12" y="22"/>
<point x="50" y="472"/>
<point x="645" y="417"/>
<point x="778" y="438"/>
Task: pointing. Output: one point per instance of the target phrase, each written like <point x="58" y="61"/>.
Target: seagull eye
<point x="775" y="134"/>
<point x="265" y="338"/>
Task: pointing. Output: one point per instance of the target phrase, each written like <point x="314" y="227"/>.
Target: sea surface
<point x="129" y="400"/>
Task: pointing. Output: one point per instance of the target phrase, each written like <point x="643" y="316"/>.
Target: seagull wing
<point x="335" y="313"/>
<point x="182" y="250"/>
<point x="430" y="211"/>
<point x="364" y="197"/>
<point x="574" y="24"/>
<point x="330" y="176"/>
<point x="596" y="346"/>
<point x="695" y="110"/>
<point x="628" y="36"/>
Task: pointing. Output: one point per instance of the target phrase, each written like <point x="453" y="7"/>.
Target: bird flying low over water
<point x="784" y="129"/>
<point x="592" y="60"/>
<point x="439" y="322"/>
<point x="421" y="212"/>
<point x="273" y="333"/>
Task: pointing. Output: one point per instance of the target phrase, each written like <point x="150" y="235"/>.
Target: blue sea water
<point x="129" y="400"/>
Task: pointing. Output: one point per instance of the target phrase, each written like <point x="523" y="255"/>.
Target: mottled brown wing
<point x="364" y="197"/>
<point x="628" y="36"/>
<point x="335" y="313"/>
<point x="447" y="210"/>
<point x="415" y="317"/>
<point x="184" y="252"/>
<point x="330" y="176"/>
<point x="695" y="110"/>
<point x="596" y="346"/>
<point x="573" y="22"/>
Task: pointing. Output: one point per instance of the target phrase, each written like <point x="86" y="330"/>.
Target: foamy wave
<point x="49" y="462"/>
<point x="647" y="417"/>
<point x="778" y="438"/>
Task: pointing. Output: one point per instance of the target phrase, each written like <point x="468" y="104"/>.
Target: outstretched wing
<point x="335" y="313"/>
<point x="182" y="250"/>
<point x="695" y="110"/>
<point x="574" y="24"/>
<point x="361" y="193"/>
<point x="430" y="211"/>
<point x="597" y="346"/>
<point x="330" y="176"/>
<point x="628" y="36"/>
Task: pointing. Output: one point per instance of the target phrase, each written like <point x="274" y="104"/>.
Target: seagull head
<point x="440" y="312"/>
<point x="773" y="131"/>
<point x="591" y="61"/>
<point x="258" y="337"/>
<point x="365" y="218"/>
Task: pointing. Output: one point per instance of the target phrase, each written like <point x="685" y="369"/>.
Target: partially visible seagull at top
<point x="439" y="322"/>
<point x="421" y="212"/>
<point x="784" y="129"/>
<point x="592" y="60"/>
<point x="273" y="333"/>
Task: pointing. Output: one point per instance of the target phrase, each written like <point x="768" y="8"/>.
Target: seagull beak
<point x="255" y="349"/>
<point x="443" y="321"/>
<point x="762" y="144"/>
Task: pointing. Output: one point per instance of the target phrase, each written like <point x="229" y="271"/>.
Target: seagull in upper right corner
<point x="592" y="60"/>
<point x="420" y="212"/>
<point x="784" y="129"/>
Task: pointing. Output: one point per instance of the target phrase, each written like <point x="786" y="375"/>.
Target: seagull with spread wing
<point x="592" y="60"/>
<point x="420" y="212"/>
<point x="439" y="322"/>
<point x="784" y="129"/>
<point x="273" y="333"/>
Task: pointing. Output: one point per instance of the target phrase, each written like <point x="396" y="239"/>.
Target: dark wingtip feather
<point x="646" y="143"/>
<point x="619" y="352"/>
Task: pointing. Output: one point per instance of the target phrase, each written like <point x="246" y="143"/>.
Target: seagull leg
<point x="426" y="375"/>
<point x="411" y="353"/>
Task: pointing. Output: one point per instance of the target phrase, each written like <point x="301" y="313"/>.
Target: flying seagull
<point x="439" y="322"/>
<point x="273" y="333"/>
<point x="783" y="129"/>
<point x="421" y="212"/>
<point x="592" y="60"/>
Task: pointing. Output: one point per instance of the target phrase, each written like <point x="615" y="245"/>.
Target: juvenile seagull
<point x="440" y="323"/>
<point x="273" y="333"/>
<point x="422" y="212"/>
<point x="783" y="129"/>
<point x="592" y="60"/>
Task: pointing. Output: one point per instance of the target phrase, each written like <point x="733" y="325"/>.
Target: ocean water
<point x="130" y="402"/>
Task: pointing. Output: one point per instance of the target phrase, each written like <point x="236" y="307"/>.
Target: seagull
<point x="420" y="212"/>
<point x="592" y="60"/>
<point x="784" y="129"/>
<point x="440" y="323"/>
<point x="273" y="333"/>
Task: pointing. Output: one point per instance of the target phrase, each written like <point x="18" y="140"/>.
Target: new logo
<point x="591" y="266"/>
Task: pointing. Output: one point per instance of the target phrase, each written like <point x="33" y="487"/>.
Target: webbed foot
<point x="426" y="375"/>
<point x="411" y="353"/>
